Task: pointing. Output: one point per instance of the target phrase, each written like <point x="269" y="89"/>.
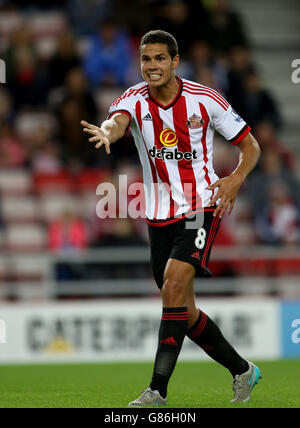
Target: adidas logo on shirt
<point x="147" y="117"/>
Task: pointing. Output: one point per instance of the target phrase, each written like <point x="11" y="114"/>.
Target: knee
<point x="174" y="291"/>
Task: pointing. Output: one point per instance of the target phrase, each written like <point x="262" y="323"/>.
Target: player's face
<point x="157" y="66"/>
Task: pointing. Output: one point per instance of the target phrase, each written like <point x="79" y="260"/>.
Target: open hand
<point x="97" y="135"/>
<point x="228" y="188"/>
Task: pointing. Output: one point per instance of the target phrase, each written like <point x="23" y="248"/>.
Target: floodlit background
<point x="74" y="287"/>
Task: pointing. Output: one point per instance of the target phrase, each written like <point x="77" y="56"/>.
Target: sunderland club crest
<point x="195" y="122"/>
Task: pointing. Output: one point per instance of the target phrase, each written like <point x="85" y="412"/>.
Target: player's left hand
<point x="228" y="188"/>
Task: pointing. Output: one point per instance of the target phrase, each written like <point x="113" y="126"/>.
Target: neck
<point x="165" y="94"/>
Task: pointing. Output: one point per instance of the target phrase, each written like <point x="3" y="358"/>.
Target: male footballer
<point x="172" y="121"/>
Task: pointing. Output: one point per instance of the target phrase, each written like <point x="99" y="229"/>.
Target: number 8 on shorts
<point x="200" y="239"/>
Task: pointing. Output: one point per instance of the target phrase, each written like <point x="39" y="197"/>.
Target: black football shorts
<point x="185" y="240"/>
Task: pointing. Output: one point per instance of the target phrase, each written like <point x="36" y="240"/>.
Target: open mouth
<point x="154" y="76"/>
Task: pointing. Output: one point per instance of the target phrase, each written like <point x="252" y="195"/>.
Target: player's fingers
<point x="106" y="144"/>
<point x="214" y="185"/>
<point x="88" y="125"/>
<point x="107" y="148"/>
<point x="216" y="211"/>
<point x="224" y="208"/>
<point x="214" y="199"/>
<point x="98" y="145"/>
<point x="90" y="131"/>
<point x="93" y="139"/>
<point x="220" y="210"/>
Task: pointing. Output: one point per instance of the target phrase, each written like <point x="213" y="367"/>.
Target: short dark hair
<point x="160" y="36"/>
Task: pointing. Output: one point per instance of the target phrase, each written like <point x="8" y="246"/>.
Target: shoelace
<point x="147" y="393"/>
<point x="235" y="385"/>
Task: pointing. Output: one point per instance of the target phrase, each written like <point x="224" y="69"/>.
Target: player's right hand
<point x="97" y="135"/>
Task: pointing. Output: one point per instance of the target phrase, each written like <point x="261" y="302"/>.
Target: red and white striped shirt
<point x="175" y="145"/>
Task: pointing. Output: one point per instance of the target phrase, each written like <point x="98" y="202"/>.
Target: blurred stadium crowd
<point x="67" y="61"/>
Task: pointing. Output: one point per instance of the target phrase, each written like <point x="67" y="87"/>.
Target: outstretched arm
<point x="228" y="187"/>
<point x="110" y="131"/>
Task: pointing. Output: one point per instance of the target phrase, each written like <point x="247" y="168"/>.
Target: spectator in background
<point x="12" y="152"/>
<point x="36" y="143"/>
<point x="123" y="233"/>
<point x="206" y="77"/>
<point x="46" y="159"/>
<point x="239" y="64"/>
<point x="174" y="17"/>
<point x="241" y="224"/>
<point x="278" y="220"/>
<point x="271" y="169"/>
<point x="127" y="13"/>
<point x="268" y="140"/>
<point x="275" y="196"/>
<point x="85" y="15"/>
<point x="257" y="104"/>
<point x="200" y="55"/>
<point x="2" y="235"/>
<point x="1" y="219"/>
<point x="109" y="57"/>
<point x="67" y="233"/>
<point x="6" y="105"/>
<point x="76" y="102"/>
<point x="225" y="27"/>
<point x="206" y="70"/>
<point x="226" y="157"/>
<point x="185" y="20"/>
<point x="24" y="77"/>
<point x="64" y="59"/>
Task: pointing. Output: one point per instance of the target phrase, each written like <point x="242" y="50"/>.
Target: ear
<point x="176" y="60"/>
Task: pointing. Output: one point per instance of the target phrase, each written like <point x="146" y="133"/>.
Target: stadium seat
<point x="46" y="46"/>
<point x="105" y="96"/>
<point x="2" y="239"/>
<point x="29" y="267"/>
<point x="89" y="179"/>
<point x="255" y="267"/>
<point x="287" y="267"/>
<point x="15" y="181"/>
<point x="45" y="27"/>
<point x="60" y="182"/>
<point x="46" y="23"/>
<point x="83" y="44"/>
<point x="29" y="122"/>
<point x="54" y="206"/>
<point x="20" y="209"/>
<point x="25" y="237"/>
<point x="9" y="22"/>
<point x="88" y="204"/>
<point x="2" y="268"/>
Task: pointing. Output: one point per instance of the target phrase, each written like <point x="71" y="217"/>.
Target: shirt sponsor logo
<point x="168" y="137"/>
<point x="177" y="155"/>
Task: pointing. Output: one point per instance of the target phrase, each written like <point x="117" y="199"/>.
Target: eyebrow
<point x="155" y="56"/>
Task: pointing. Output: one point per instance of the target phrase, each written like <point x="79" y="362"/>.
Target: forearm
<point x="249" y="156"/>
<point x="228" y="187"/>
<point x="112" y="130"/>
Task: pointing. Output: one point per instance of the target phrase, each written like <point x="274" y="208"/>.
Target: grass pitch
<point x="193" y="385"/>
